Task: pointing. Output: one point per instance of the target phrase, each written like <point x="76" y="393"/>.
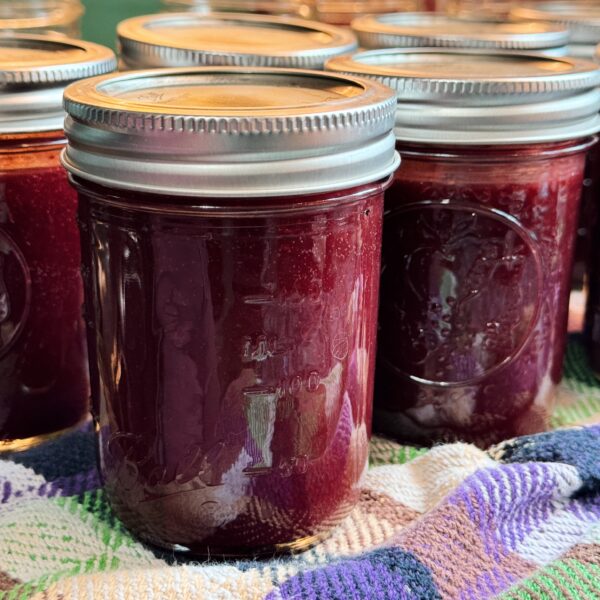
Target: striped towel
<point x="519" y="521"/>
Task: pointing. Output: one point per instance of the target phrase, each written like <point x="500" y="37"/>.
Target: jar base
<point x="216" y="553"/>
<point x="402" y="429"/>
<point x="20" y="445"/>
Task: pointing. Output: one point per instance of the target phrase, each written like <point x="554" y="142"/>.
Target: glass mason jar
<point x="43" y="369"/>
<point x="478" y="238"/>
<point x="175" y="40"/>
<point x="290" y="8"/>
<point x="231" y="278"/>
<point x="583" y="21"/>
<point x="42" y="16"/>
<point x="411" y="30"/>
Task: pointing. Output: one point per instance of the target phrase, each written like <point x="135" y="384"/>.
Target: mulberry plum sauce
<point x="42" y="366"/>
<point x="482" y="289"/>
<point x="232" y="313"/>
<point x="43" y="369"/>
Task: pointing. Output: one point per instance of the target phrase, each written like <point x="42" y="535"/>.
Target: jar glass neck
<point x="228" y="207"/>
<point x="495" y="152"/>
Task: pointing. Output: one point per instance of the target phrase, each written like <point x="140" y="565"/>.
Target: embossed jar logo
<point x="15" y="291"/>
<point x="461" y="291"/>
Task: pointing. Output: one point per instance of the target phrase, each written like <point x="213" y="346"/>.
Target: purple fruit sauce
<point x="232" y="345"/>
<point x="43" y="367"/>
<point x="477" y="252"/>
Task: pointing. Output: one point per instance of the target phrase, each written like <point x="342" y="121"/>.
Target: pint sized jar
<point x="583" y="21"/>
<point x="41" y="17"/>
<point x="189" y="39"/>
<point x="478" y="238"/>
<point x="231" y="261"/>
<point x="43" y="369"/>
<point x="410" y="30"/>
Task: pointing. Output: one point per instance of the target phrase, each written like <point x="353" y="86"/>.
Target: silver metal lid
<point x="581" y="17"/>
<point x="38" y="16"/>
<point x="202" y="6"/>
<point x="230" y="131"/>
<point x="399" y="30"/>
<point x="295" y="8"/>
<point x="473" y="97"/>
<point x="585" y="51"/>
<point x="34" y="71"/>
<point x="188" y="39"/>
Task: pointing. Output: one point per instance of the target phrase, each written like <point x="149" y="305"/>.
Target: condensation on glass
<point x="231" y="265"/>
<point x="478" y="238"/>
<point x="41" y="17"/>
<point x="43" y="369"/>
<point x="175" y="40"/>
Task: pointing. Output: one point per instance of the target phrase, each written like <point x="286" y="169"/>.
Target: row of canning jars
<point x="232" y="220"/>
<point x="579" y="21"/>
<point x="64" y="16"/>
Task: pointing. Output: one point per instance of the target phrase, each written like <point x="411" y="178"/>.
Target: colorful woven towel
<point x="520" y="521"/>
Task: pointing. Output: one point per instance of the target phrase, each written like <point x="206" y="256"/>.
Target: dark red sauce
<point x="477" y="254"/>
<point x="43" y="367"/>
<point x="232" y="362"/>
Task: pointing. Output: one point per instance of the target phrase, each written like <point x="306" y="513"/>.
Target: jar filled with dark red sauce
<point x="231" y="274"/>
<point x="193" y="39"/>
<point x="43" y="369"/>
<point x="583" y="21"/>
<point x="478" y="238"/>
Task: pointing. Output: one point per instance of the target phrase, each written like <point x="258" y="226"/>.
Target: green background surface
<point x="101" y="17"/>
